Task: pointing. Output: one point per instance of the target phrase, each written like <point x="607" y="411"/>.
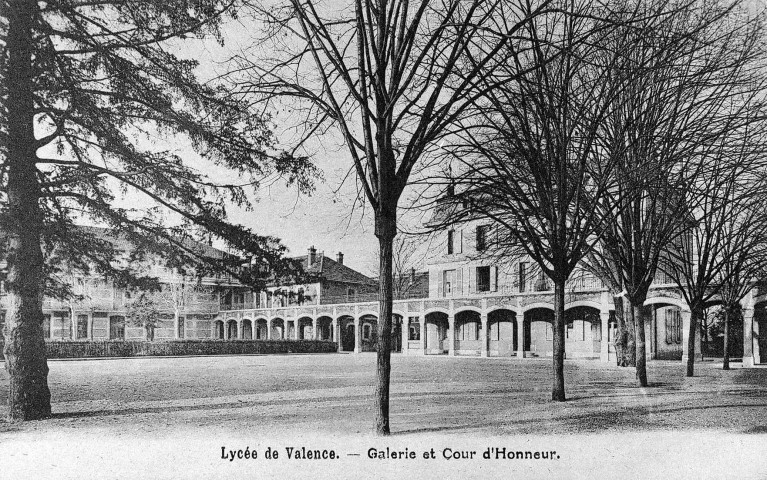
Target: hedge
<point x="112" y="348"/>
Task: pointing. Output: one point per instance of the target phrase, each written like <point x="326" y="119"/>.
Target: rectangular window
<point x="117" y="328"/>
<point x="481" y="237"/>
<point x="522" y="276"/>
<point x="63" y="328"/>
<point x="82" y="326"/>
<point x="450" y="239"/>
<point x="448" y="281"/>
<point x="483" y="279"/>
<point x="119" y="297"/>
<point x="47" y="325"/>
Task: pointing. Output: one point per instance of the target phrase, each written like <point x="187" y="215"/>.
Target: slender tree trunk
<point x="558" y="389"/>
<point x="696" y="314"/>
<point x="29" y="397"/>
<point x="726" y="346"/>
<point x="385" y="300"/>
<point x="640" y="314"/>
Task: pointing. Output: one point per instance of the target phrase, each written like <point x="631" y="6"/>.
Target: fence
<point x="56" y="349"/>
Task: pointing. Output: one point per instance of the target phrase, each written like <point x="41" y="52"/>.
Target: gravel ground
<point x="169" y="418"/>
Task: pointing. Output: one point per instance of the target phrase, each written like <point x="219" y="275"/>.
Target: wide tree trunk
<point x="385" y="301"/>
<point x="696" y="315"/>
<point x="625" y="345"/>
<point x="558" y="389"/>
<point x="726" y="346"/>
<point x="640" y="314"/>
<point x="29" y="397"/>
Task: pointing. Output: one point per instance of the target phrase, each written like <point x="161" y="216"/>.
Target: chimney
<point x="340" y="258"/>
<point x="312" y="256"/>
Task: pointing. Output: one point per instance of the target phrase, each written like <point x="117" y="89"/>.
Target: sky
<point x="332" y="219"/>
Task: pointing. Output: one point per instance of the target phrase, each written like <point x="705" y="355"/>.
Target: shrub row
<point x="69" y="349"/>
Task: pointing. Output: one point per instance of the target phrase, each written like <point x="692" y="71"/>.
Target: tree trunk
<point x="726" y="346"/>
<point x="696" y="313"/>
<point x="385" y="302"/>
<point x="640" y="314"/>
<point x="625" y="346"/>
<point x="29" y="397"/>
<point x="558" y="389"/>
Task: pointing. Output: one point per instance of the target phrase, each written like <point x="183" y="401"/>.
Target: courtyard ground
<point x="170" y="418"/>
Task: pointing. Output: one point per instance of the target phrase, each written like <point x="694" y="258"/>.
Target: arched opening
<point x="261" y="329"/>
<point x="502" y="333"/>
<point x="664" y="334"/>
<point x="231" y="330"/>
<point x="218" y="330"/>
<point x="540" y="322"/>
<point x="759" y="333"/>
<point x="278" y="329"/>
<point x="369" y="327"/>
<point x="396" y="333"/>
<point x="348" y="334"/>
<point x="436" y="333"/>
<point x="305" y="328"/>
<point x="467" y="333"/>
<point x="583" y="332"/>
<point x="247" y="330"/>
<point x="325" y="328"/>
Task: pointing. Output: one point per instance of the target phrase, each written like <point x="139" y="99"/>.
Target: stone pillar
<point x="604" y="350"/>
<point x="357" y="335"/>
<point x="406" y="334"/>
<point x="337" y="332"/>
<point x="268" y="329"/>
<point x="451" y="334"/>
<point x="520" y="335"/>
<point x="72" y="324"/>
<point x="422" y="336"/>
<point x="315" y="332"/>
<point x="748" y="337"/>
<point x="483" y="332"/>
<point x="89" y="333"/>
<point x="686" y="318"/>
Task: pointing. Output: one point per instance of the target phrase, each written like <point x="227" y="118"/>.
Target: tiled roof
<point x="125" y="245"/>
<point x="330" y="270"/>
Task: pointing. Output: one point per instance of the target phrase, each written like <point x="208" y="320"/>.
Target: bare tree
<point x="405" y="259"/>
<point x="531" y="156"/>
<point x="684" y="66"/>
<point x="390" y="76"/>
<point x="723" y="253"/>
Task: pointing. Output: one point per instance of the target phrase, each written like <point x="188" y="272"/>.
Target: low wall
<point x="64" y="349"/>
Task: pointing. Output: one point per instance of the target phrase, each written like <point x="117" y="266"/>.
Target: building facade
<point x="467" y="303"/>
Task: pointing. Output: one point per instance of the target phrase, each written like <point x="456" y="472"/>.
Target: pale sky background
<point x="331" y="219"/>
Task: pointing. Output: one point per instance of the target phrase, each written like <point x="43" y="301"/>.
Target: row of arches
<point x="589" y="331"/>
<point x="352" y="333"/>
<point x="504" y="333"/>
